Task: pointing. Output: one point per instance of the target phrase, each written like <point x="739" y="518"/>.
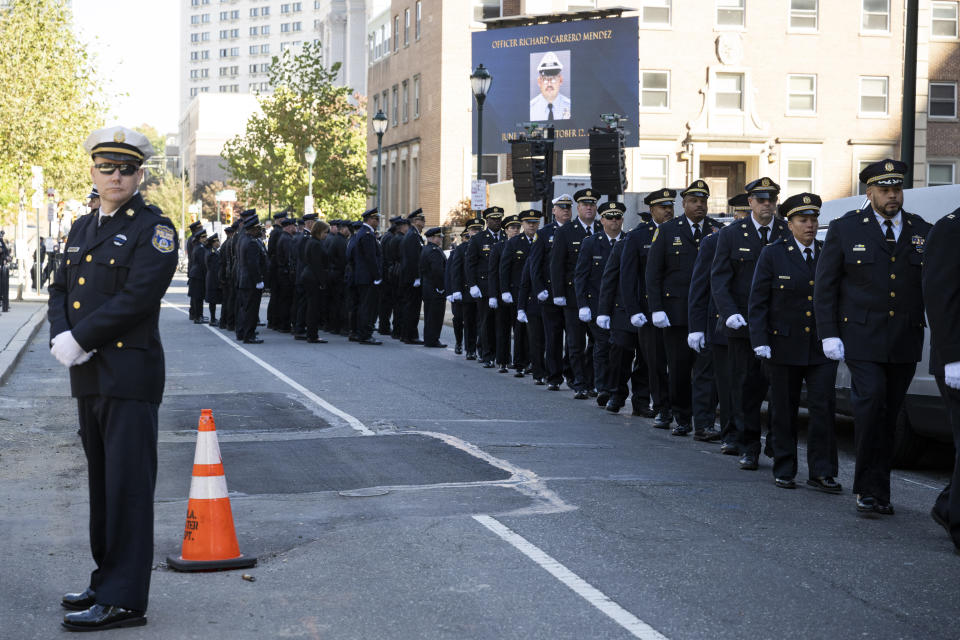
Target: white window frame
<point x="729" y="27"/>
<point x="813" y="175"/>
<point x="804" y="13"/>
<point x="956" y="20"/>
<point x="578" y="156"/>
<point x="944" y="163"/>
<point x="643" y="72"/>
<point x="952" y="85"/>
<point x="794" y="112"/>
<point x="874" y="32"/>
<point x="416" y="96"/>
<point x="873" y="114"/>
<point x="656" y="4"/>
<point x="664" y="179"/>
<point x="743" y="91"/>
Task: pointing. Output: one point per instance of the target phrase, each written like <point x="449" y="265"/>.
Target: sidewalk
<point x="18" y="326"/>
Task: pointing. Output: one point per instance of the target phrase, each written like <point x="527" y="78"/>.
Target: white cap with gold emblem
<point x="119" y="144"/>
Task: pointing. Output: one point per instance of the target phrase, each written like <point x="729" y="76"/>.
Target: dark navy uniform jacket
<point x="780" y="313"/>
<point x="107" y="292"/>
<point x="513" y="259"/>
<point x="212" y="291"/>
<point x="594" y="252"/>
<point x="197" y="271"/>
<point x="540" y="259"/>
<point x="366" y="258"/>
<point x="941" y="291"/>
<point x="284" y="258"/>
<point x="476" y="261"/>
<point x="335" y="246"/>
<point x="390" y="246"/>
<point x="610" y="301"/>
<point x="251" y="262"/>
<point x="433" y="264"/>
<point x="493" y="270"/>
<point x="738" y="250"/>
<point x="870" y="294"/>
<point x="526" y="297"/>
<point x="410" y="248"/>
<point x="454" y="275"/>
<point x="670" y="267"/>
<point x="563" y="258"/>
<point x="633" y="266"/>
<point x="702" y="313"/>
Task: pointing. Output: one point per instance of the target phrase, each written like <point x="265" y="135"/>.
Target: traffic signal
<point x="529" y="157"/>
<point x="608" y="161"/>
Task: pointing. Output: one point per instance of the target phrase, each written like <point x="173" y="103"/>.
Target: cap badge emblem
<point x="119" y="137"/>
<point x="806" y="199"/>
<point x="765" y="182"/>
<point x="888" y="166"/>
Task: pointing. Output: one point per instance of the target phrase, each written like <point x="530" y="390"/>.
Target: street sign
<point x="307" y="204"/>
<point x="37" y="200"/>
<point x="227" y="195"/>
<point x="478" y="195"/>
<point x="51" y="211"/>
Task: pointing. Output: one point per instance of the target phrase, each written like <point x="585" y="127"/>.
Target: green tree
<point x="305" y="109"/>
<point x="157" y="139"/>
<point x="51" y="101"/>
<point x="166" y="193"/>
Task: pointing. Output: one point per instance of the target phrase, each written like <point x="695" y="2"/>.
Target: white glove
<point x="736" y="321"/>
<point x="560" y="301"/>
<point x="660" y="320"/>
<point x="603" y="322"/>
<point x="584" y="314"/>
<point x="457" y="296"/>
<point x="82" y="359"/>
<point x="492" y="303"/>
<point x="377" y="282"/>
<point x="65" y="349"/>
<point x="416" y="283"/>
<point x="474" y="291"/>
<point x="951" y="375"/>
<point x="259" y="285"/>
<point x="762" y="352"/>
<point x="833" y="348"/>
<point x="638" y="320"/>
<point x="450" y="298"/>
<point x="696" y="340"/>
<point x="521" y="316"/>
<point x="543" y="295"/>
<point x="507" y="297"/>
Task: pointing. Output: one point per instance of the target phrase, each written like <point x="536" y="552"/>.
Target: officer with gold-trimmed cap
<point x="459" y="292"/>
<point x="551" y="316"/>
<point x="661" y="204"/>
<point x="104" y="311"/>
<point x="513" y="262"/>
<point x="476" y="276"/>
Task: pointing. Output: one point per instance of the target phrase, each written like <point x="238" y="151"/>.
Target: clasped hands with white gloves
<point x="762" y="352"/>
<point x="416" y="283"/>
<point x="543" y="295"/>
<point x="696" y="340"/>
<point x="736" y="321"/>
<point x="474" y="291"/>
<point x="507" y="297"/>
<point x="603" y="322"/>
<point x="521" y="316"/>
<point x="951" y="375"/>
<point x="560" y="301"/>
<point x="260" y="285"/>
<point x="660" y="320"/>
<point x="68" y="351"/>
<point x="492" y="303"/>
<point x="584" y="314"/>
<point x="638" y="320"/>
<point x="457" y="296"/>
<point x="833" y="348"/>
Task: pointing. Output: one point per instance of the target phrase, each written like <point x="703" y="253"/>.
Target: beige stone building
<point x="803" y="91"/>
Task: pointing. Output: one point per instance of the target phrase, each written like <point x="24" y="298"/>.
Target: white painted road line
<point x="355" y="424"/>
<point x="637" y="627"/>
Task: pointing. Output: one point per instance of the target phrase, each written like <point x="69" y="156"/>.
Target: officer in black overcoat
<point x="410" y="297"/>
<point x="783" y="332"/>
<point x="431" y="273"/>
<point x="454" y="295"/>
<point x="271" y="282"/>
<point x="869" y="308"/>
<point x="476" y="273"/>
<point x="251" y="272"/>
<point x="212" y="293"/>
<point x="281" y="266"/>
<point x="197" y="274"/>
<point x="389" y="313"/>
<point x="366" y="272"/>
<point x="227" y="284"/>
<point x="513" y="262"/>
<point x="335" y="307"/>
<point x="104" y="311"/>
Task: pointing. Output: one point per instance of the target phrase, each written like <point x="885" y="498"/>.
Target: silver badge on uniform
<point x="73" y="249"/>
<point x="119" y="239"/>
<point x="918" y="242"/>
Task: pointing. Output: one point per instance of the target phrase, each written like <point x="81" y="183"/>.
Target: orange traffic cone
<point x="209" y="540"/>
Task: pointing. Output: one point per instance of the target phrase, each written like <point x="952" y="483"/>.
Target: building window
<point x="254" y="12"/>
<point x="943" y="100"/>
<point x="873" y="95"/>
<point x="486" y="9"/>
<point x="419" y="9"/>
<point x="653" y="173"/>
<point x="416" y="96"/>
<point x="264" y="48"/>
<point x="802" y="94"/>
<point x="285" y="8"/>
<point x="799" y="176"/>
<point x="297" y="26"/>
<point x="875" y="16"/>
<point x="406" y="27"/>
<point x="205" y="54"/>
<point x="939" y="174"/>
<point x="194" y="37"/>
<point x="264" y="11"/>
<point x="406" y="100"/>
<point x="395" y="105"/>
<point x="943" y="20"/>
<point x="576" y="163"/>
<point x="730" y="13"/>
<point x="655" y="89"/>
<point x="396" y="33"/>
<point x="193" y="91"/>
<point x="254" y="30"/>
<point x="729" y="94"/>
<point x="385" y="30"/>
<point x="376" y="103"/>
<point x="655" y="13"/>
<point x="253" y="50"/>
<point x="298" y="6"/>
<point x="285" y="27"/>
<point x="265" y="30"/>
<point x="803" y="15"/>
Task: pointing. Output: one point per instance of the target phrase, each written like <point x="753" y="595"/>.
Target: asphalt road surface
<point x="402" y="492"/>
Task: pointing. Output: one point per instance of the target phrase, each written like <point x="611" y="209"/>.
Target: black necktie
<point x="765" y="235"/>
<point x="696" y="233"/>
<point x="550" y="111"/>
<point x="613" y="241"/>
<point x="808" y="253"/>
<point x="103" y="220"/>
<point x="889" y="235"/>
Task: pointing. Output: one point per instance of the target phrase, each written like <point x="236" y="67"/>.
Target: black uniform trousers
<point x="749" y="389"/>
<point x="456" y="311"/>
<point x="655" y="355"/>
<point x="298" y="309"/>
<point x="386" y="306"/>
<point x="553" y="342"/>
<point x="521" y="341"/>
<point x="947" y="505"/>
<point x="272" y="305"/>
<point x="120" y="442"/>
<point x="600" y="338"/>
<point x="705" y="398"/>
<point x="722" y="377"/>
<point x="470" y="322"/>
<point x="228" y="311"/>
<point x="680" y="361"/>
<point x="367" y="296"/>
<point x="249" y="313"/>
<point x="581" y="361"/>
<point x="786" y="382"/>
<point x="487" y="319"/>
<point x="627" y="365"/>
<point x="433" y="319"/>
<point x="196" y="306"/>
<point x="877" y="390"/>
<point x="535" y="344"/>
<point x="505" y="315"/>
<point x="313" y="295"/>
<point x="410" y="301"/>
<point x="4" y="287"/>
<point x="282" y="298"/>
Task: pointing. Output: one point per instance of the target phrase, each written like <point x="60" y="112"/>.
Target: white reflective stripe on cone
<point x="208" y="487"/>
<point x="208" y="449"/>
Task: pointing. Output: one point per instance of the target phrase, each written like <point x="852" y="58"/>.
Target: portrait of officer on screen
<point x="551" y="99"/>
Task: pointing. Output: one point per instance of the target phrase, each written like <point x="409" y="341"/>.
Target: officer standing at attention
<point x="388" y="294"/>
<point x="432" y="267"/>
<point x="366" y="264"/>
<point x="476" y="273"/>
<point x="335" y="248"/>
<point x="458" y="286"/>
<point x="513" y="262"/>
<point x="104" y="311"/>
<point x="869" y="308"/>
<point x="227" y="284"/>
<point x="503" y="313"/>
<point x="941" y="288"/>
<point x="563" y="264"/>
<point x="281" y="294"/>
<point x="783" y="332"/>
<point x="410" y="298"/>
<point x="738" y="249"/>
<point x="212" y="294"/>
<point x="669" y="270"/>
<point x="454" y="296"/>
<point x="251" y="271"/>
<point x="298" y="307"/>
<point x="271" y="282"/>
<point x="197" y="275"/>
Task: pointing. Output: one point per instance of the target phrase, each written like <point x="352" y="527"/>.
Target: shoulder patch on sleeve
<point x="163" y="238"/>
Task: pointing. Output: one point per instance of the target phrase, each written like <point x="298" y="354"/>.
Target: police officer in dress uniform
<point x="513" y="261"/>
<point x="104" y="311"/>
<point x="461" y="292"/>
<point x="595" y="250"/>
<point x="188" y="250"/>
<point x="281" y="293"/>
<point x="432" y="269"/>
<point x="783" y="332"/>
<point x="869" y="309"/>
<point x="941" y="288"/>
<point x="504" y="313"/>
<point x="335" y="247"/>
<point x="670" y="261"/>
<point x="212" y="293"/>
<point x="251" y="272"/>
<point x="389" y="309"/>
<point x="563" y="263"/>
<point x="298" y="307"/>
<point x="738" y="249"/>
<point x="454" y="296"/>
<point x="227" y="285"/>
<point x="197" y="274"/>
<point x="550" y="104"/>
<point x="476" y="273"/>
<point x="366" y="266"/>
<point x="271" y="282"/>
<point x="411" y="247"/>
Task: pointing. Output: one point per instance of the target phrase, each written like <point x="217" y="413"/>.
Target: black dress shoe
<point x="198" y="322"/>
<point x="581" y="395"/>
<point x="436" y="345"/>
<point x="553" y="387"/>
<point x="826" y="484"/>
<point x="299" y="336"/>
<point x="503" y="369"/>
<point x="79" y="601"/>
<point x="728" y="449"/>
<point x="518" y="373"/>
<point x="471" y="356"/>
<point x="103" y="616"/>
<point x="316" y="341"/>
<point x="866" y="504"/>
<point x="603" y="399"/>
<point x="748" y="462"/>
<point x="643" y="412"/>
<point x="369" y="341"/>
<point x="253" y="341"/>
<point x="883" y="508"/>
<point x="707" y="435"/>
<point x="785" y="483"/>
<point x="458" y="349"/>
<point x="681" y="430"/>
<point x="539" y="382"/>
<point x="593" y="393"/>
<point x="414" y="341"/>
<point x="663" y="420"/>
<point x="613" y="407"/>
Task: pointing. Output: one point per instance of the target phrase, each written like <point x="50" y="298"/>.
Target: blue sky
<point x="137" y="52"/>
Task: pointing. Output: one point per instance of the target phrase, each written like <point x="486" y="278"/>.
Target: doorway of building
<point x="725" y="179"/>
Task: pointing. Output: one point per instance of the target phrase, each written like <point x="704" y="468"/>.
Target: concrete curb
<point x="15" y="348"/>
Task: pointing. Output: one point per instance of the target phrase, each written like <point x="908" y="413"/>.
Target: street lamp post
<point x="480" y="81"/>
<point x="310" y="155"/>
<point x="379" y="127"/>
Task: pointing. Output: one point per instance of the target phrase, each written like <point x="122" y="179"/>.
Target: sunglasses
<point x="613" y="216"/>
<point x="107" y="169"/>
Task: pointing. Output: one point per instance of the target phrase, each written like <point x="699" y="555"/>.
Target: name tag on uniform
<point x="747" y="249"/>
<point x="598" y="257"/>
<point x="859" y="247"/>
<point x="646" y="246"/>
<point x="784" y="277"/>
<point x="119" y="239"/>
<point x="73" y="249"/>
<point x="485" y="247"/>
<point x="577" y="242"/>
<point x="677" y="240"/>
